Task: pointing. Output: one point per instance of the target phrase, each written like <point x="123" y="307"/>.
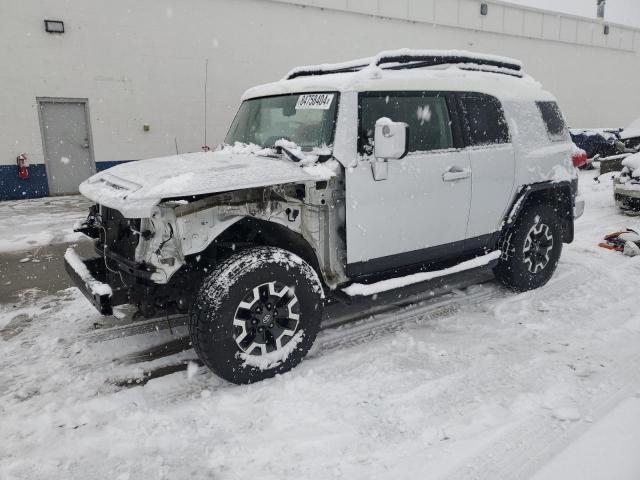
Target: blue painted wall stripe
<point x="12" y="188"/>
<point x="100" y="166"/>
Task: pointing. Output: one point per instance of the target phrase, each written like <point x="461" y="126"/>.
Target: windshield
<point x="308" y="120"/>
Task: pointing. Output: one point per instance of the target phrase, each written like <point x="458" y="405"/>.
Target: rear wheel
<point x="256" y="315"/>
<point x="531" y="250"/>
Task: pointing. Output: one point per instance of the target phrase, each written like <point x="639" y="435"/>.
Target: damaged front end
<point x="115" y="264"/>
<point x="157" y="263"/>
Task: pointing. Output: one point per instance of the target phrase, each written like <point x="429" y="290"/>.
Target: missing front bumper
<point x="90" y="276"/>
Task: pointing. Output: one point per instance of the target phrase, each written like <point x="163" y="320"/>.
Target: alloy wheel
<point x="537" y="247"/>
<point x="266" y="319"/>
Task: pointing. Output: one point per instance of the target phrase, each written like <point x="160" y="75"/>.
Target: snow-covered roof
<point x="501" y="77"/>
<point x="406" y="58"/>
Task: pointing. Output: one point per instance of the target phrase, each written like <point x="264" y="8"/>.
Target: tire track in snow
<point x="523" y="449"/>
<point x="371" y="327"/>
<point x="357" y="331"/>
<point x="520" y="452"/>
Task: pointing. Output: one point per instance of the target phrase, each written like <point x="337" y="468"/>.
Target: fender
<point x="301" y="227"/>
<point x="561" y="194"/>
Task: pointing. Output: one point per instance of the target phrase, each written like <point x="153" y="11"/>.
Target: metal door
<point x="66" y="140"/>
<point x="420" y="211"/>
<point x="423" y="204"/>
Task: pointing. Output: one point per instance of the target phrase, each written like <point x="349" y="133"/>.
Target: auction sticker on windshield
<point x="315" y="101"/>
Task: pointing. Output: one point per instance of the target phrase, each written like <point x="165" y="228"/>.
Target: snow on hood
<point x="134" y="188"/>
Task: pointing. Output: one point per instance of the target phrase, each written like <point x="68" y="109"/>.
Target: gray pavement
<point x="34" y="234"/>
<point x="40" y="268"/>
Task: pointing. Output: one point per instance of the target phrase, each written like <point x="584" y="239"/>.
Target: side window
<point x="483" y="120"/>
<point x="426" y="114"/>
<point x="553" y="120"/>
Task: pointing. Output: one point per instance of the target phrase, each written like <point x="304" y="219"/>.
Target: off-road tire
<point x="213" y="315"/>
<point x="514" y="268"/>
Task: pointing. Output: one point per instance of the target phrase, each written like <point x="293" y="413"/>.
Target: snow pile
<point x="392" y="283"/>
<point x="94" y="286"/>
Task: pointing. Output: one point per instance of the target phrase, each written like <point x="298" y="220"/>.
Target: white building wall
<point x="143" y="62"/>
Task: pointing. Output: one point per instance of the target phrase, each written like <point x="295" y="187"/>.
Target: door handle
<point x="452" y="174"/>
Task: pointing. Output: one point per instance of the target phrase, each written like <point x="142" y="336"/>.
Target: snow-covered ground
<point x="493" y="385"/>
<point x="25" y="224"/>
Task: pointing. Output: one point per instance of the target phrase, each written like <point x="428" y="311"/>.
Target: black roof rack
<point x="406" y="61"/>
<point x="433" y="60"/>
<point x="311" y="72"/>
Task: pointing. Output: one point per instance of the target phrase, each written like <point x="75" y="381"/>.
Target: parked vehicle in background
<point x="596" y="142"/>
<point x="331" y="179"/>
<point x="608" y="146"/>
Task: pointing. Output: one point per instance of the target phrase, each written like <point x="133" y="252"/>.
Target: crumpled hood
<point x="134" y="188"/>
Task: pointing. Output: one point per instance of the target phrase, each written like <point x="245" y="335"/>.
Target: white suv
<point x="338" y="179"/>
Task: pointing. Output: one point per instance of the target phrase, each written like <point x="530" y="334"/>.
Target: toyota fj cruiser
<point x="409" y="161"/>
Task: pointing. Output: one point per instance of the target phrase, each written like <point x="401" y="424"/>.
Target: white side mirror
<point x="391" y="140"/>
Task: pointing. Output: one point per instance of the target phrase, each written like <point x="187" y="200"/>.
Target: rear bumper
<point x="90" y="276"/>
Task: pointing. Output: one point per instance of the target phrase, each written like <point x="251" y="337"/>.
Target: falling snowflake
<point x="424" y="114"/>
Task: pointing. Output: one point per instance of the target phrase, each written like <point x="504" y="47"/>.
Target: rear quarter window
<point x="483" y="120"/>
<point x="553" y="120"/>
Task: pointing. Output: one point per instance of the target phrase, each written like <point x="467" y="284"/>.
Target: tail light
<point x="579" y="158"/>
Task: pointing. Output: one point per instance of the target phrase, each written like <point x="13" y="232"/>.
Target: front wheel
<point x="531" y="250"/>
<point x="256" y="315"/>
